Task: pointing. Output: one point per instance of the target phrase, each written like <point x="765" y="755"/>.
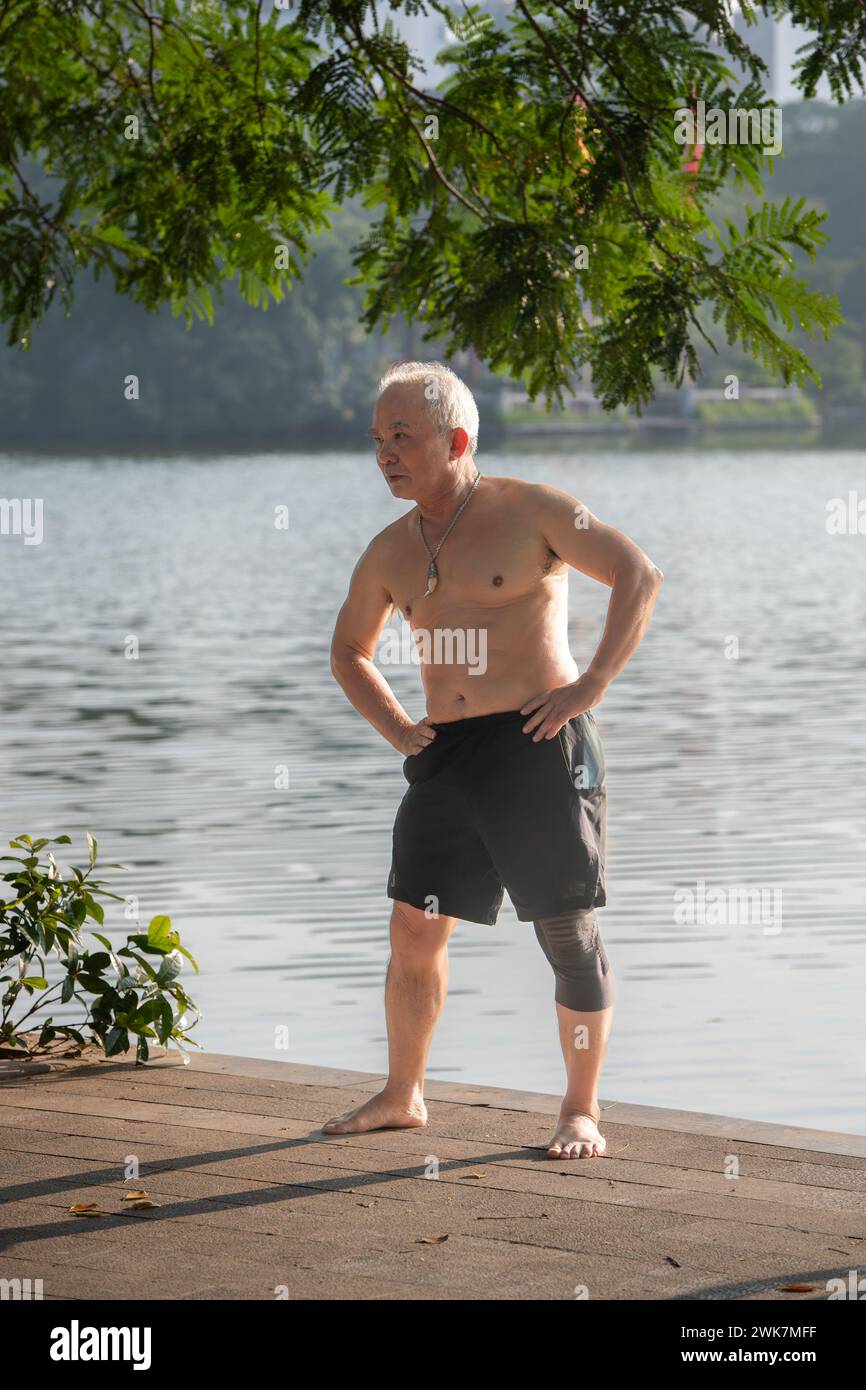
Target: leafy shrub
<point x="46" y="916"/>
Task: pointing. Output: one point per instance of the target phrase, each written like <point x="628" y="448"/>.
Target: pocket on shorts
<point x="583" y="752"/>
<point x="583" y="756"/>
<point x="413" y="768"/>
<point x="592" y="755"/>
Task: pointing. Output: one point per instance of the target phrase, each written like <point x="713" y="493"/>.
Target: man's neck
<point x="439" y="508"/>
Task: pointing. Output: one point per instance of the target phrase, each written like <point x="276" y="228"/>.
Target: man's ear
<point x="459" y="440"/>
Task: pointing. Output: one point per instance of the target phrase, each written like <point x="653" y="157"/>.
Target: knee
<point x="572" y="944"/>
<point x="413" y="934"/>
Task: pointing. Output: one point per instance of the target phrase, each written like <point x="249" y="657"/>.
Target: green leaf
<point x="160" y="927"/>
<point x="64" y="1030"/>
<point x="116" y="1040"/>
<point x="185" y="952"/>
<point x="114" y="236"/>
<point x="93" y="983"/>
<point x="145" y="964"/>
<point x="166" y="1021"/>
<point x="168" y="970"/>
<point x="94" y="909"/>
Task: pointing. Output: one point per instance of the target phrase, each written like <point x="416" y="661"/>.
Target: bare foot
<point x="379" y="1112"/>
<point x="577" y="1136"/>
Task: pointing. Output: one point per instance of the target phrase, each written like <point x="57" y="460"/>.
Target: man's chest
<point x="485" y="567"/>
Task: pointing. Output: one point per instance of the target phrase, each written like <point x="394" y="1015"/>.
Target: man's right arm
<point x="367" y="608"/>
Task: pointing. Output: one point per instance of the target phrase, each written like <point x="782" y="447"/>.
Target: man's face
<point x="410" y="453"/>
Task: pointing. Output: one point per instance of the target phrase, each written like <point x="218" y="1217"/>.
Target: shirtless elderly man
<point x="506" y="770"/>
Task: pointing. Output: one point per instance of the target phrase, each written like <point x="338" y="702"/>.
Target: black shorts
<point x="488" y="809"/>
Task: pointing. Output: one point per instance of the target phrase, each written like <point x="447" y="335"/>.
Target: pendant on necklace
<point x="432" y="579"/>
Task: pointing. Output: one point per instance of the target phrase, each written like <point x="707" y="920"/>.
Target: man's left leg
<point x="584" y="1008"/>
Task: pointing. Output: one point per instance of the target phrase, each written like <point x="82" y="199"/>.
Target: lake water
<point x="740" y="769"/>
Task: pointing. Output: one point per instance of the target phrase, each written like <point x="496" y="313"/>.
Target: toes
<point x="576" y="1148"/>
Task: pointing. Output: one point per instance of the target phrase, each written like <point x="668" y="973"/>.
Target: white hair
<point x="450" y="403"/>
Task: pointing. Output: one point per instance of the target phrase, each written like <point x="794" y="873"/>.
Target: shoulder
<point x="375" y="561"/>
<point x="388" y="541"/>
<point x="538" y="500"/>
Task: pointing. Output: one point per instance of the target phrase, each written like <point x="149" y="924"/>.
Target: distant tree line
<point x="301" y="372"/>
<point x="254" y="378"/>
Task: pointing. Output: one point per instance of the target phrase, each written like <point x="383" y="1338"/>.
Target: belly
<point x="492" y="665"/>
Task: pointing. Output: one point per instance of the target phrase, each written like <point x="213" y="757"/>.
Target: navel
<point x="497" y="580"/>
<point x="408" y="610"/>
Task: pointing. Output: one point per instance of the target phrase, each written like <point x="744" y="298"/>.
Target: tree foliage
<point x="192" y="141"/>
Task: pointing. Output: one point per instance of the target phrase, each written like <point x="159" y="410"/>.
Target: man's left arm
<point x="605" y="554"/>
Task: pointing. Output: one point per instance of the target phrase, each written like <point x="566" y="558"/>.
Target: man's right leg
<point x="415" y="990"/>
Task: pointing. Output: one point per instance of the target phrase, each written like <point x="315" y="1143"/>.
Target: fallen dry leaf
<point x="87" y="1209"/>
<point x="143" y="1204"/>
<point x="671" y="1261"/>
<point x="134" y="1196"/>
<point x="473" y="1175"/>
<point x="432" y="1240"/>
<point x="797" y="1288"/>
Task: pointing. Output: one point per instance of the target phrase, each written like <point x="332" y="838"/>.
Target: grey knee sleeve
<point x="573" y="945"/>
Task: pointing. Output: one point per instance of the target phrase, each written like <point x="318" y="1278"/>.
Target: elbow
<point x="343" y="662"/>
<point x="648" y="578"/>
<point x="642" y="578"/>
<point x="338" y="664"/>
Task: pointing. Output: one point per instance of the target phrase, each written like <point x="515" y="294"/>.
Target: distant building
<point x="776" y="41"/>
